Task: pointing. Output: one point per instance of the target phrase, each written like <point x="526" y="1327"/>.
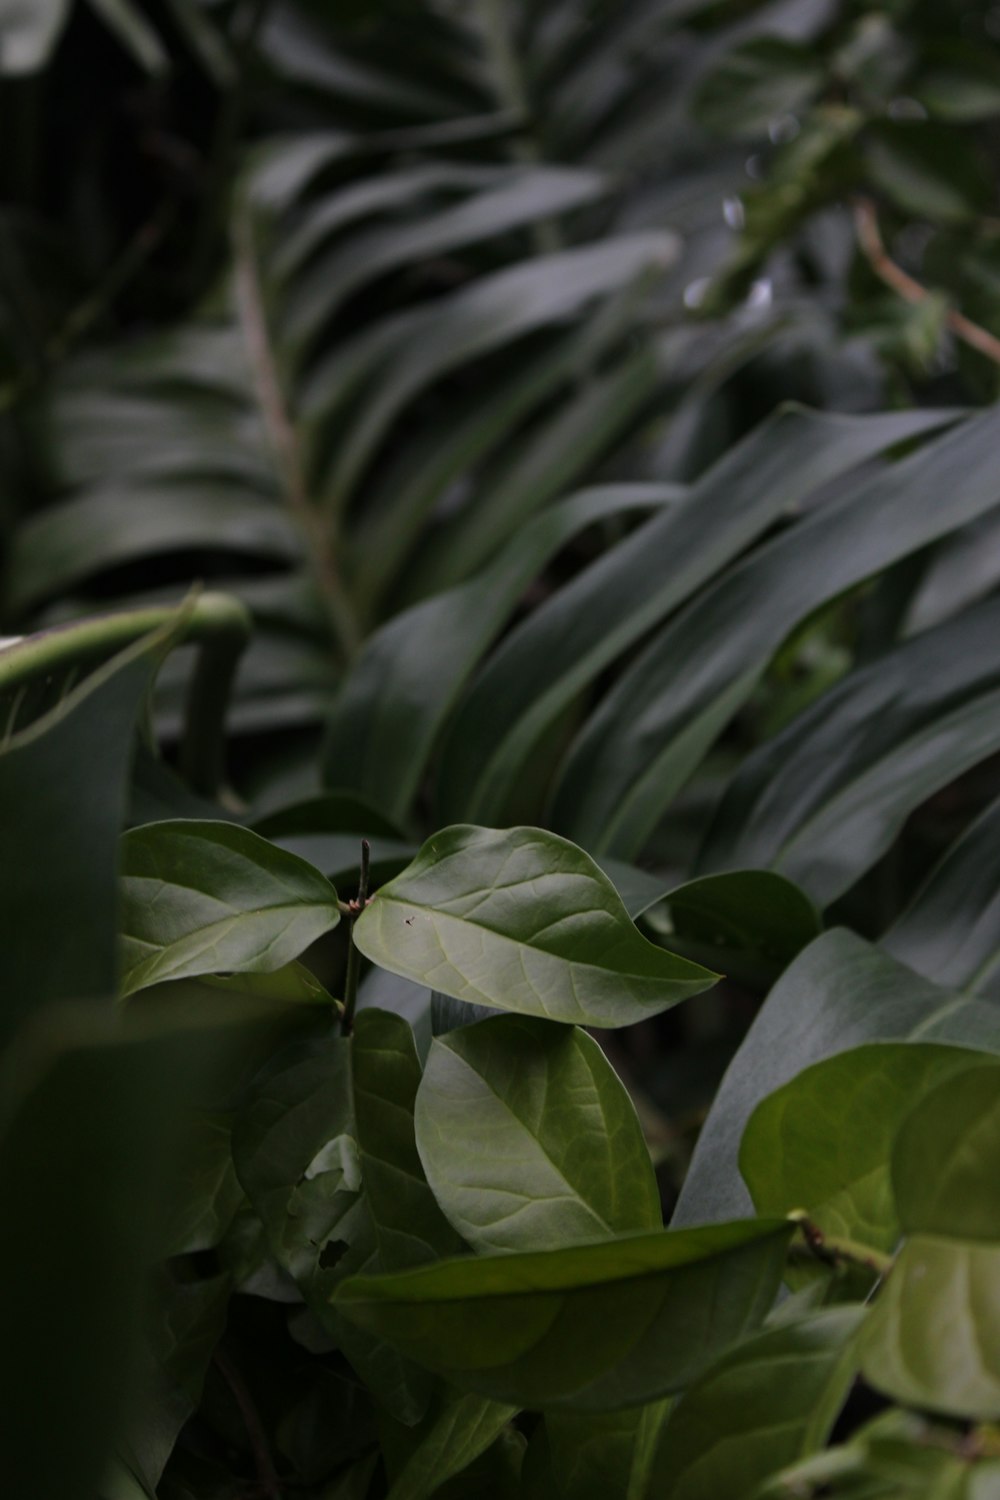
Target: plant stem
<point x="267" y="1478"/>
<point x="284" y="440"/>
<point x="870" y="240"/>
<point x="835" y="1250"/>
<point x="353" y="955"/>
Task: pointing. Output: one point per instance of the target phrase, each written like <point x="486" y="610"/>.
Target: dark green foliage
<point x="579" y="413"/>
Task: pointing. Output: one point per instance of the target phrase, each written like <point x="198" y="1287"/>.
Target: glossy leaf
<point x="772" y="1400"/>
<point x="524" y="921"/>
<point x="839" y="993"/>
<point x="824" y="1141"/>
<point x="933" y="1338"/>
<point x="529" y="1140"/>
<point x="947" y="1159"/>
<point x="593" y="1327"/>
<point x="204" y="898"/>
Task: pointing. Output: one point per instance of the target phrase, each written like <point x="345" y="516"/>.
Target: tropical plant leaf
<point x="523" y="921"/>
<point x="529" y="1140"/>
<point x="592" y="1327"/>
<point x="206" y="898"/>
<point x="946" y="1158"/>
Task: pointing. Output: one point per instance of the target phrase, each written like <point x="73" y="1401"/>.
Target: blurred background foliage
<point x="331" y="306"/>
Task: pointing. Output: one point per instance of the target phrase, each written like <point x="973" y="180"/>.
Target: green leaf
<point x="297" y="1160"/>
<point x="205" y="898"/>
<point x="29" y="32"/>
<point x="134" y="32"/>
<point x="824" y="1142"/>
<point x="928" y="170"/>
<point x="600" y="1454"/>
<point x="410" y="1227"/>
<point x="655" y="724"/>
<point x="772" y="1400"/>
<point x="839" y="993"/>
<point x="933" y="1337"/>
<point x="59" y="851"/>
<point x="755" y="84"/>
<point x="961" y="83"/>
<point x="951" y="930"/>
<point x="946" y="1161"/>
<point x="208" y="1190"/>
<point x="885" y="738"/>
<point x="456" y="1430"/>
<point x="593" y="1327"/>
<point x="541" y="667"/>
<point x="524" y="921"/>
<point x="391" y="708"/>
<point x="750" y="918"/>
<point x="529" y="1140"/>
<point x="94" y="1108"/>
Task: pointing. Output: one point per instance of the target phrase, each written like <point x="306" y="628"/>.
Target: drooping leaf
<point x="769" y="1402"/>
<point x="529" y="1140"/>
<point x="951" y="930"/>
<point x="824" y="1141"/>
<point x="524" y="921"/>
<point x="205" y="898"/>
<point x="543" y="664"/>
<point x="593" y="1327"/>
<point x="892" y="733"/>
<point x="63" y="789"/>
<point x="839" y="993"/>
<point x="671" y="703"/>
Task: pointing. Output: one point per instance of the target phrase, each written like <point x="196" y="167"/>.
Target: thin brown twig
<point x="283" y="438"/>
<point x="869" y="235"/>
<point x="267" y="1478"/>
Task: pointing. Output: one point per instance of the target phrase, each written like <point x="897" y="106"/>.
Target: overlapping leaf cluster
<point x="632" y="673"/>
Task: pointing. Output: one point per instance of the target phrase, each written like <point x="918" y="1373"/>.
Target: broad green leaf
<point x="946" y="1161"/>
<point x="392" y="706"/>
<point x="599" y="1454"/>
<point x="542" y="665"/>
<point x="29" y="32"/>
<point x="206" y="898"/>
<point x="933" y="1337"/>
<point x="410" y="1227"/>
<point x="529" y="1140"/>
<point x="884" y="739"/>
<point x="754" y="921"/>
<point x="772" y="1400"/>
<point x="208" y="1190"/>
<point x="593" y="1327"/>
<point x="456" y="1430"/>
<point x="523" y="921"/>
<point x="824" y="1142"/>
<point x="655" y="724"/>
<point x="839" y="993"/>
<point x="94" y="1106"/>
<point x="59" y="850"/>
<point x="951" y="930"/>
<point x="755" y="84"/>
